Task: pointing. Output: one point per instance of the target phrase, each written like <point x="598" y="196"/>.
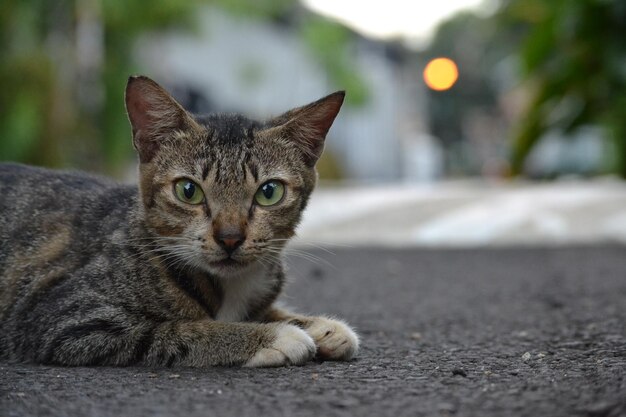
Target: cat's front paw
<point x="292" y="346"/>
<point x="334" y="339"/>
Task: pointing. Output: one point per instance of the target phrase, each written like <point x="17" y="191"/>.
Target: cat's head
<point x="222" y="192"/>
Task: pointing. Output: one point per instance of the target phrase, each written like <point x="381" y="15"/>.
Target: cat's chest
<point x="241" y="293"/>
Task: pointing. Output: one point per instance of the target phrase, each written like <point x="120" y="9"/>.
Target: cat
<point x="183" y="269"/>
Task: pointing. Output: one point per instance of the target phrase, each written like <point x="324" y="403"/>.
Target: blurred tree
<point x="62" y="69"/>
<point x="574" y="58"/>
<point x="63" y="66"/>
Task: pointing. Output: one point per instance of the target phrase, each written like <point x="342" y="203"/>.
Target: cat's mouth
<point x="227" y="263"/>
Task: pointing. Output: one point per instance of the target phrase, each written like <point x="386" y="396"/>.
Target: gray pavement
<point x="498" y="332"/>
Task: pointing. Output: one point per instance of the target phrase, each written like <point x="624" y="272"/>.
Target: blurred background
<point x="467" y="122"/>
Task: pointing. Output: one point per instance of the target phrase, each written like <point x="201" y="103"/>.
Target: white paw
<point x="292" y="346"/>
<point x="334" y="339"/>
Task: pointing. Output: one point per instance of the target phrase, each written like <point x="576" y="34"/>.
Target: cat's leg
<point x="118" y="342"/>
<point x="335" y="340"/>
<point x="209" y="342"/>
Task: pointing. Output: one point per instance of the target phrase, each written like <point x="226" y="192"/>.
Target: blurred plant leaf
<point x="574" y="53"/>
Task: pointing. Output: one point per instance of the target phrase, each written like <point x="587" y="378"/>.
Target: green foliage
<point x="25" y="77"/>
<point x="55" y="112"/>
<point x="330" y="43"/>
<point x="265" y="9"/>
<point x="574" y="57"/>
<point x="43" y="119"/>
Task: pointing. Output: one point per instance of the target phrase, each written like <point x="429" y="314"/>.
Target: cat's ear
<point x="153" y="114"/>
<point x="308" y="125"/>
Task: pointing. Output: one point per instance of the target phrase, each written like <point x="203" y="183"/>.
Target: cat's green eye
<point x="188" y="191"/>
<point x="270" y="193"/>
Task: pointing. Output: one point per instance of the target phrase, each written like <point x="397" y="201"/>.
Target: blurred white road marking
<point x="468" y="214"/>
<point x="485" y="221"/>
<point x="615" y="227"/>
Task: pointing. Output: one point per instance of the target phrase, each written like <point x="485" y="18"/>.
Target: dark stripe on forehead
<point x="254" y="170"/>
<point x="250" y="164"/>
<point x="218" y="170"/>
<point x="244" y="170"/>
<point x="206" y="169"/>
<point x="231" y="168"/>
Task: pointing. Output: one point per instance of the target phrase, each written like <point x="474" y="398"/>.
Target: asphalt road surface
<point x="504" y="332"/>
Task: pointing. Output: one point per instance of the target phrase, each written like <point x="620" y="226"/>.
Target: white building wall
<point x="262" y="70"/>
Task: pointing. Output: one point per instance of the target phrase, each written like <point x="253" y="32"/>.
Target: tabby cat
<point x="183" y="269"/>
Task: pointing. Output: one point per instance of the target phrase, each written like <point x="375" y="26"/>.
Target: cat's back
<point x="41" y="205"/>
<point x="28" y="185"/>
<point x="30" y="188"/>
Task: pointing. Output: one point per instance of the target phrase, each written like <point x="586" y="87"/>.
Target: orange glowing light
<point x="440" y="74"/>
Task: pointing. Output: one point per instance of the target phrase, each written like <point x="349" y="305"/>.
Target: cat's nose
<point x="230" y="241"/>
